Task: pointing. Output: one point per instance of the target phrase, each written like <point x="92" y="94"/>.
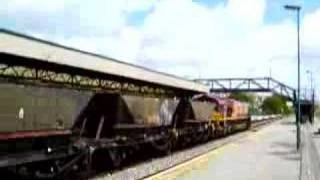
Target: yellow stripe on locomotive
<point x="217" y="116"/>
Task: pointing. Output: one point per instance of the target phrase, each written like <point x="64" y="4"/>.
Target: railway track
<point x="147" y="169"/>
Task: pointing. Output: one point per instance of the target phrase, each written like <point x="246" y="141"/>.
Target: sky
<point x="188" y="38"/>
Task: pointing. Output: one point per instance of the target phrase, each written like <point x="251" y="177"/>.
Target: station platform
<point x="310" y="151"/>
<point x="269" y="153"/>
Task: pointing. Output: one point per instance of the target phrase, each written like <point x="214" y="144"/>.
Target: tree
<point x="317" y="110"/>
<point x="244" y="97"/>
<point x="275" y="105"/>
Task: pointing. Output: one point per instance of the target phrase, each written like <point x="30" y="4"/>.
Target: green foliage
<point x="317" y="111"/>
<point x="275" y="105"/>
<point x="244" y="97"/>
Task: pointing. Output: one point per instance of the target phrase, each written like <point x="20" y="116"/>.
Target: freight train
<point x="48" y="132"/>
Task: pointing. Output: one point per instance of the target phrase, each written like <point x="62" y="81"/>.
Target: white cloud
<point x="221" y="41"/>
<point x="311" y="30"/>
<point x="228" y="40"/>
<point x="181" y="36"/>
<point x="35" y="5"/>
<point x="248" y="12"/>
<point x="139" y="5"/>
<point x="73" y="17"/>
<point x="58" y="5"/>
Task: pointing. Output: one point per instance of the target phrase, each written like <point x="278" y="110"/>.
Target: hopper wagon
<point x="64" y="111"/>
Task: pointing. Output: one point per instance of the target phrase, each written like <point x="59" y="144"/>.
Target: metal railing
<point x="265" y="84"/>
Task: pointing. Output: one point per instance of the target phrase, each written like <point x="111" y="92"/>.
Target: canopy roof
<point x="13" y="43"/>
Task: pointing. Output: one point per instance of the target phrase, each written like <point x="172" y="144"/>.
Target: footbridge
<point x="265" y="84"/>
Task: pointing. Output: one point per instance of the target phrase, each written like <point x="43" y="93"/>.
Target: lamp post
<point x="297" y="9"/>
<point x="311" y="79"/>
<point x="312" y="95"/>
<point x="270" y="68"/>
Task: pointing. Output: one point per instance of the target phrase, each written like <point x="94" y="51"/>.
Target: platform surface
<point x="310" y="151"/>
<point x="269" y="153"/>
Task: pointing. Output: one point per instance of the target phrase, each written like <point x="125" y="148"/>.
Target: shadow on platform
<point x="285" y="122"/>
<point x="284" y="150"/>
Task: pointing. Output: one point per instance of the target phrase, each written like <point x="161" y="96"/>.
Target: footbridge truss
<point x="265" y="84"/>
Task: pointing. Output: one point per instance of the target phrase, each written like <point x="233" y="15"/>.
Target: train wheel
<point x="103" y="159"/>
<point x="116" y="157"/>
<point x="184" y="141"/>
<point x="197" y="137"/>
<point x="163" y="146"/>
<point x="229" y="129"/>
<point x="225" y="130"/>
<point x="248" y="124"/>
<point x="206" y="136"/>
<point x="213" y="131"/>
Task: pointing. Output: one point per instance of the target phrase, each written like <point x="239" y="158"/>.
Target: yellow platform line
<point x="201" y="161"/>
<point x="196" y="163"/>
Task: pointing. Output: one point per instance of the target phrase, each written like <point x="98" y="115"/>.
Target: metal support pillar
<point x="313" y="107"/>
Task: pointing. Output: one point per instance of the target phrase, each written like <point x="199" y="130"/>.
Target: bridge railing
<point x="264" y="84"/>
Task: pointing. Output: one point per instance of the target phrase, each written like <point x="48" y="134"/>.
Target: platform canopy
<point x="12" y="43"/>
